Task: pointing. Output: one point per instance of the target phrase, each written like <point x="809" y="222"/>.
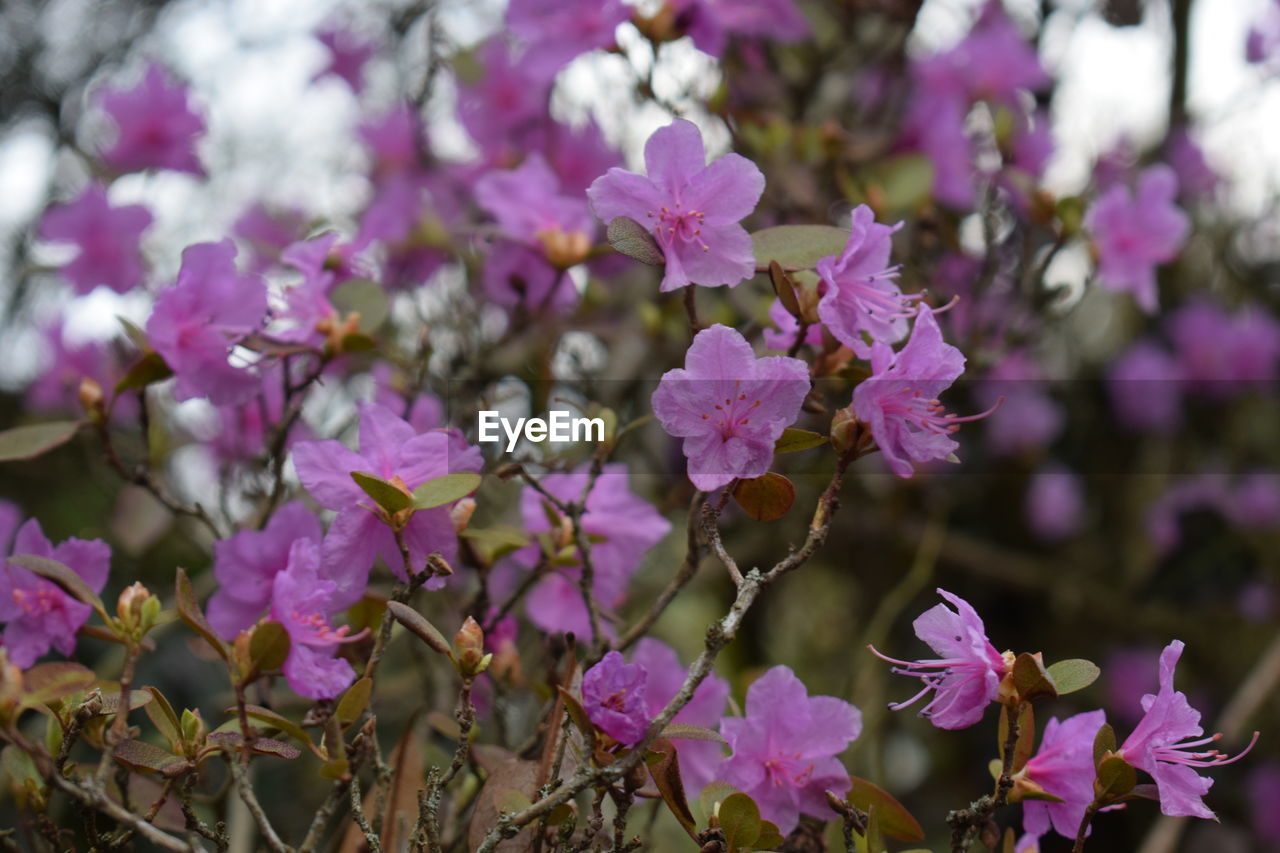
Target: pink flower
<point x="348" y="55"/>
<point x="729" y="406"/>
<point x="1134" y="233"/>
<point x="529" y="206"/>
<point x="861" y="297"/>
<point x="1062" y="767"/>
<point x="392" y="450"/>
<point x="156" y="128"/>
<point x="107" y="237"/>
<point x="1029" y="419"/>
<point x="1221" y="354"/>
<point x="578" y="156"/>
<point x="1145" y="387"/>
<point x="556" y="31"/>
<point x="1167" y="743"/>
<point x="506" y="109"/>
<point x="691" y="208"/>
<point x="63" y="366"/>
<point x="247" y="563"/>
<point x="1055" y="503"/>
<point x="965" y="678"/>
<point x="787" y="328"/>
<point x="38" y="615"/>
<point x="304" y="600"/>
<point x="516" y="275"/>
<point x="613" y="697"/>
<point x="198" y="322"/>
<point x="900" y="400"/>
<point x="785" y="748"/>
<point x="699" y="760"/>
<point x="1264" y="793"/>
<point x="710" y="22"/>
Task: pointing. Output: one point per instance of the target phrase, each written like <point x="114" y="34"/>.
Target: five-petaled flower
<point x="1168" y="744"/>
<point x="156" y="127"/>
<point x="106" y="236"/>
<point x="899" y="402"/>
<point x="613" y="697"/>
<point x="690" y="207"/>
<point x="785" y="748"/>
<point x="966" y="676"/>
<point x="729" y="406"/>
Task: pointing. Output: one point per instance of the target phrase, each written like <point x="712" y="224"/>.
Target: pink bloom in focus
<point x="156" y="127"/>
<point x="1136" y="232"/>
<point x="729" y="406"/>
<point x="392" y="450"/>
<point x="692" y="209"/>
<point x="699" y="760"/>
<point x="900" y="400"/>
<point x="1062" y="767"/>
<point x="965" y="678"/>
<point x="198" y="322"/>
<point x="785" y="748"/>
<point x="107" y="237"/>
<point x="38" y="615"/>
<point x="613" y="695"/>
<point x="787" y="328"/>
<point x="860" y="296"/>
<point x="304" y="600"/>
<point x="1167" y="744"/>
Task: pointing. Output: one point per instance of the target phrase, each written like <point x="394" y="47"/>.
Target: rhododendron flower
<point x="729" y="406"/>
<point x="966" y="675"/>
<point x="1264" y="793"/>
<point x="1029" y="418"/>
<point x="65" y="364"/>
<point x="348" y="55"/>
<point x="530" y="208"/>
<point x="1055" y="503"/>
<point x="1135" y="232"/>
<point x="787" y="328"/>
<point x="1220" y="353"/>
<point x="861" y="296"/>
<point x="38" y="615"/>
<point x="691" y="208"/>
<point x="1167" y="744"/>
<point x="994" y="61"/>
<point x="304" y="600"/>
<point x="247" y="563"/>
<point x="578" y="155"/>
<point x="1062" y="767"/>
<point x="785" y="748"/>
<point x="107" y="237"/>
<point x="710" y="22"/>
<point x="621" y="528"/>
<point x="613" y="695"/>
<point x="506" y="109"/>
<point x="1145" y="387"/>
<point x="699" y="760"/>
<point x="392" y="450"/>
<point x="900" y="400"/>
<point x="557" y="31"/>
<point x="197" y="322"/>
<point x="156" y="127"/>
<point x="516" y="275"/>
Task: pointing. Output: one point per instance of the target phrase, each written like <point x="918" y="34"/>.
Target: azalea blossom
<point x="966" y="675"/>
<point x="710" y="22"/>
<point x="348" y="55"/>
<point x="699" y="759"/>
<point x="613" y="695"/>
<point x="691" y="208"/>
<point x="787" y="328"/>
<point x="556" y="31"/>
<point x="1062" y="767"/>
<point x="729" y="406"/>
<point x="1168" y="744"/>
<point x="155" y="124"/>
<point x="530" y="208"/>
<point x="785" y="748"/>
<point x="107" y="238"/>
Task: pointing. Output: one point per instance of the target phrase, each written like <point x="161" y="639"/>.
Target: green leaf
<point x="1031" y="679"/>
<point x="664" y="769"/>
<point x="111" y="698"/>
<point x="445" y="490"/>
<point x="164" y="718"/>
<point x="1103" y="742"/>
<point x="905" y="183"/>
<point x="46" y="683"/>
<point x="687" y="731"/>
<point x="797" y="247"/>
<point x="268" y="646"/>
<point x="335" y="769"/>
<point x="770" y="836"/>
<point x="151" y="367"/>
<point x="354" y="701"/>
<point x="189" y="610"/>
<point x="1116" y="777"/>
<point x="64" y="577"/>
<point x="496" y="542"/>
<point x="792" y="440"/>
<point x="765" y="498"/>
<point x="894" y="819"/>
<point x="271" y="718"/>
<point x="715" y="792"/>
<point x="740" y="820"/>
<point x="1072" y="675"/>
<point x="31" y="440"/>
<point x="140" y="755"/>
<point x="418" y="624"/>
<point x="630" y="238"/>
<point x="385" y="494"/>
<point x="365" y="297"/>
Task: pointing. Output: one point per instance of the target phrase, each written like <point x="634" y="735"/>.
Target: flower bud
<point x="564" y="249"/>
<point x="92" y="400"/>
<point x="193" y="728"/>
<point x="137" y="609"/>
<point x="468" y="649"/>
<point x="10" y="685"/>
<point x="461" y="513"/>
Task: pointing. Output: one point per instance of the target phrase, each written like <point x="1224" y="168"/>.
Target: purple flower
<point x="1167" y="743"/>
<point x="861" y="296"/>
<point x="424" y="411"/>
<point x="787" y="328"/>
<point x="1264" y="793"/>
<point x="1145" y="387"/>
<point x="38" y="615"/>
<point x="505" y="110"/>
<point x="196" y="323"/>
<point x="1055" y="503"/>
<point x="691" y="208"/>
<point x="900" y="399"/>
<point x="266" y="232"/>
<point x="1196" y="178"/>
<point x="1128" y="674"/>
<point x="1063" y="767"/>
<point x="348" y="56"/>
<point x="247" y="563"/>
<point x="156" y="128"/>
<point x="392" y="450"/>
<point x="1029" y="418"/>
<point x="304" y="600"/>
<point x="516" y="275"/>
<point x="613" y="697"/>
<point x="1221" y="354"/>
<point x="935" y="126"/>
<point x="578" y="156"/>
<point x="1135" y="232"/>
<point x="965" y="677"/>
<point x="64" y="365"/>
<point x="529" y="207"/>
<point x="729" y="406"/>
<point x="699" y="760"/>
<point x="107" y="237"/>
<point x="621" y="528"/>
<point x="994" y="62"/>
<point x="556" y="31"/>
<point x="710" y="22"/>
<point x="785" y="748"/>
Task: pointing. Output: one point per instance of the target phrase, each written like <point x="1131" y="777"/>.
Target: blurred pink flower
<point x="786" y="328"/>
<point x="156" y="127"/>
<point x="556" y="31"/>
<point x="108" y="239"/>
<point x="348" y="55"/>
<point x="710" y="23"/>
<point x="1055" y="503"/>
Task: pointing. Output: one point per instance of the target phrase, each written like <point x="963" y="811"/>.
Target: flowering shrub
<point x="299" y="600"/>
